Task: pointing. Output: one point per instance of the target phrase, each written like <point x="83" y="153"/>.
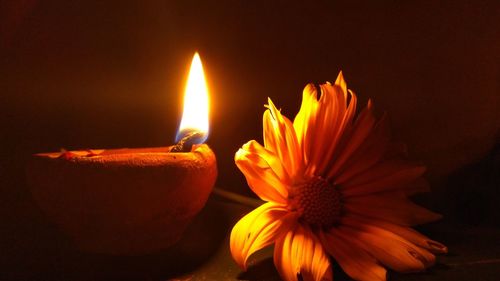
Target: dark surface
<point x="203" y="254"/>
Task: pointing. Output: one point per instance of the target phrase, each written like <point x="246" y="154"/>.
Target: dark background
<point x="95" y="74"/>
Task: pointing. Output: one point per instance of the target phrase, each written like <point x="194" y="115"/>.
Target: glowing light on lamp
<point x="196" y="104"/>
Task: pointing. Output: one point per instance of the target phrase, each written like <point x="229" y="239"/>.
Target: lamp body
<point x="123" y="201"/>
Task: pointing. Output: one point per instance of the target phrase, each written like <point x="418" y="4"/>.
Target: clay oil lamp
<point x="131" y="201"/>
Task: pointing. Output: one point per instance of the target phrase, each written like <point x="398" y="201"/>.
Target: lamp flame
<point x="196" y="104"/>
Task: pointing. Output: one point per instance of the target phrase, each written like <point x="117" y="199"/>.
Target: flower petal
<point x="408" y="189"/>
<point x="351" y="141"/>
<point x="300" y="252"/>
<point x="390" y="249"/>
<point x="321" y="122"/>
<point x="385" y="176"/>
<point x="305" y="120"/>
<point x="325" y="128"/>
<point x="260" y="176"/>
<point x="338" y="117"/>
<point x="340" y="81"/>
<point x="407" y="233"/>
<point x="393" y="207"/>
<point x="280" y="138"/>
<point x="387" y="170"/>
<point x="258" y="229"/>
<point x="270" y="158"/>
<point x="354" y="260"/>
<point x="368" y="154"/>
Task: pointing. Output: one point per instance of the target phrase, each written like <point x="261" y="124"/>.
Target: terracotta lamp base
<point x="123" y="201"/>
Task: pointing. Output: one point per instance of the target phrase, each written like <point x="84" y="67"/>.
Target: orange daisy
<point x="334" y="185"/>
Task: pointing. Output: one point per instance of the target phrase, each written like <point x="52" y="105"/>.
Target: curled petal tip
<point x="239" y="153"/>
<point x="270" y="102"/>
<point x="248" y="145"/>
<point x="310" y="89"/>
<point x="352" y="93"/>
<point x="437" y="247"/>
<point x="370" y="104"/>
<point x="273" y="110"/>
<point x="425" y="260"/>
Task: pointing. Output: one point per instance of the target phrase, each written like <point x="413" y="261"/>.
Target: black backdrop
<point x="91" y="74"/>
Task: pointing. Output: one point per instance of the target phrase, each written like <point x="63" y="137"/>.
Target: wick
<point x="186" y="143"/>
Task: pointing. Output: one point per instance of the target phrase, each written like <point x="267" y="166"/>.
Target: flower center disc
<point x="318" y="202"/>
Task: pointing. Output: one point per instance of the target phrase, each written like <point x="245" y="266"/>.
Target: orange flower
<point x="335" y="185"/>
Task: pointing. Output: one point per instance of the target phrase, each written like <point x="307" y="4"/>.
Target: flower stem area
<point x="236" y="198"/>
